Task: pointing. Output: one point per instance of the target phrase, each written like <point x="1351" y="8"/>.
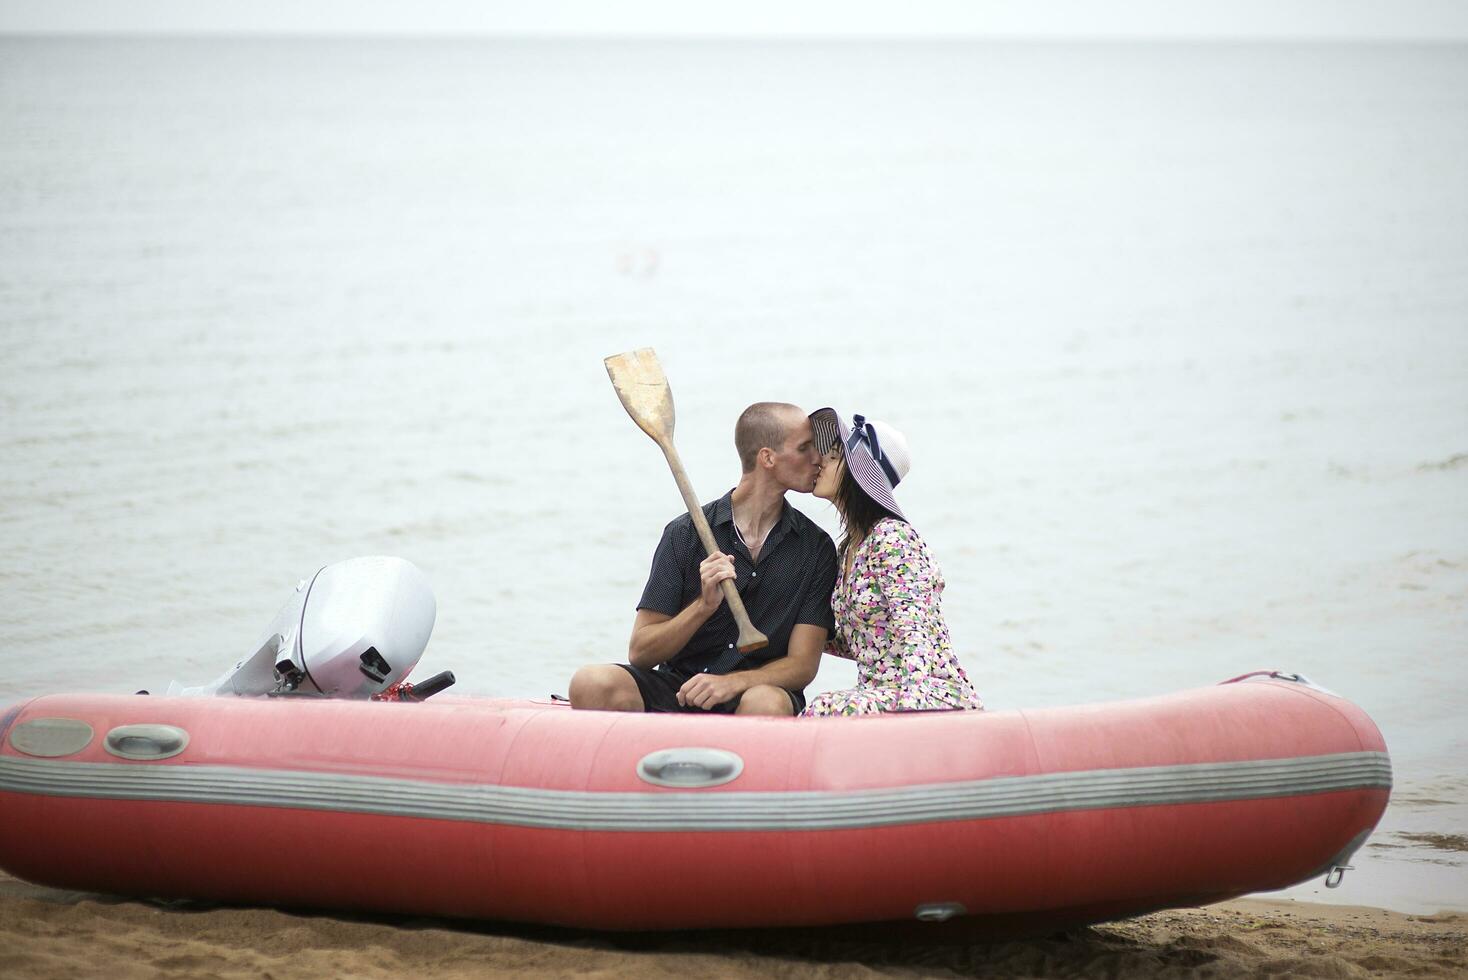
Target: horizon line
<point x="704" y="37"/>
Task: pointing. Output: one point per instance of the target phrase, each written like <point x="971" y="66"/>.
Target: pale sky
<point x="1205" y="19"/>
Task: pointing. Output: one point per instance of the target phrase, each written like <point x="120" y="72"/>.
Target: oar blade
<point x="643" y="388"/>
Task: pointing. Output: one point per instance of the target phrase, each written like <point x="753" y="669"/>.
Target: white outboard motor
<point x="355" y="629"/>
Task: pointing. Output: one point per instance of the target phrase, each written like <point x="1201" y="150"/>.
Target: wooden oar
<point x="643" y="388"/>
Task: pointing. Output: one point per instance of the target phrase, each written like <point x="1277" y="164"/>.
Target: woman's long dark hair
<point x="859" y="512"/>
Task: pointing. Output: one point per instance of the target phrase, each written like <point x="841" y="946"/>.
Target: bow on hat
<point x="863" y="431"/>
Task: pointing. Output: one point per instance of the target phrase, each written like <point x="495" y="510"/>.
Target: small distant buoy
<point x="640" y="261"/>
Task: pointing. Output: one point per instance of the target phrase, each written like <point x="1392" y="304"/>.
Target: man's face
<point x="796" y="463"/>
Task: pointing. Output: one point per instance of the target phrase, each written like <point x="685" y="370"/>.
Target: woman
<point x="888" y="591"/>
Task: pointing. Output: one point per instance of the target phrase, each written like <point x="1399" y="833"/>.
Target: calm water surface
<point x="1178" y="335"/>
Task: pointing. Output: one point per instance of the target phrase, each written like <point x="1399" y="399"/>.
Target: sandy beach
<point x="51" y="934"/>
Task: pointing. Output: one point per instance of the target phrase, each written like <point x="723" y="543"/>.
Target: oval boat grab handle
<point x="690" y="768"/>
<point x="146" y="742"/>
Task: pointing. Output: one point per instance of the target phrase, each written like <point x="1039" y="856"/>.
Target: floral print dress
<point x="889" y="620"/>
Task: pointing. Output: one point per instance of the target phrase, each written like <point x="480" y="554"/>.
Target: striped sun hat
<point x="876" y="454"/>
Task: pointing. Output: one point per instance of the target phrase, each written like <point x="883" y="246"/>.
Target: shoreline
<point x="50" y="933"/>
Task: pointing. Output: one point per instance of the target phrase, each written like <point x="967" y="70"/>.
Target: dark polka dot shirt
<point x="790" y="584"/>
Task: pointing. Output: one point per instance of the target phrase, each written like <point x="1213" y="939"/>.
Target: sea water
<point x="1178" y="335"/>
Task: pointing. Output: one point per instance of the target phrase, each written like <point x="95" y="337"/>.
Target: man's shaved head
<point x="763" y="424"/>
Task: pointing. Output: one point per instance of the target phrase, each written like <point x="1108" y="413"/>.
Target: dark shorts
<point x="659" y="689"/>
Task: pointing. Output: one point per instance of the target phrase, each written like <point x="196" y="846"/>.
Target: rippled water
<point x="1177" y="335"/>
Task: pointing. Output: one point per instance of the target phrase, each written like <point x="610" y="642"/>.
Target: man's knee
<point x="766" y="699"/>
<point x="605" y="687"/>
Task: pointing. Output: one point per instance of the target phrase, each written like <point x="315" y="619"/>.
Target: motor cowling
<point x="352" y="630"/>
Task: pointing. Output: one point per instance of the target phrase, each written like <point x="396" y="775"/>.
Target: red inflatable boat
<point x="532" y="812"/>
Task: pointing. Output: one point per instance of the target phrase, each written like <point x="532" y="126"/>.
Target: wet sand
<point x="51" y="934"/>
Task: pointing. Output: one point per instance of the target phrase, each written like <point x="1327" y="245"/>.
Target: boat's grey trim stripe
<point x="696" y="810"/>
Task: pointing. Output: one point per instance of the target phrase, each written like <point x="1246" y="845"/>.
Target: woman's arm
<point x="908" y="583"/>
<point x="836" y="645"/>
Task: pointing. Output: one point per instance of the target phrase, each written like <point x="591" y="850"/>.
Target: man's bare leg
<point x="765" y="699"/>
<point x="605" y="687"/>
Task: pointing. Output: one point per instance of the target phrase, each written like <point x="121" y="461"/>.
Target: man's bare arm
<point x="656" y="637"/>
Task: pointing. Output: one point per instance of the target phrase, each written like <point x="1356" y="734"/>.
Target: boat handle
<point x="690" y="768"/>
<point x="1333" y="878"/>
<point x="939" y="911"/>
<point x="146" y="742"/>
<point x="1282" y="675"/>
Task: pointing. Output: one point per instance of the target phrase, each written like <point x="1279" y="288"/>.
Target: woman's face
<point x="832" y="469"/>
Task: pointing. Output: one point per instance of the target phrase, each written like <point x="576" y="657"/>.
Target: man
<point x="682" y="656"/>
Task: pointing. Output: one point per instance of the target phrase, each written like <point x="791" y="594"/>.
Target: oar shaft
<point x="749" y="637"/>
